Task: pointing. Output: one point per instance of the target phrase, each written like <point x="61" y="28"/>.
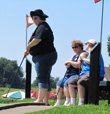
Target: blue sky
<point x="69" y="19"/>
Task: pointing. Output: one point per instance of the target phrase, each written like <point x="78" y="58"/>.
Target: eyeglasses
<point x="34" y="18"/>
<point x="75" y="47"/>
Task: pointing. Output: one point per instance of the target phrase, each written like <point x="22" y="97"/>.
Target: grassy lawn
<point x="85" y="109"/>
<point x="9" y="101"/>
<point x="102" y="108"/>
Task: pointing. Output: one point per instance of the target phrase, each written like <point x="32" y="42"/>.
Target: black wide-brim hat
<point x="38" y="12"/>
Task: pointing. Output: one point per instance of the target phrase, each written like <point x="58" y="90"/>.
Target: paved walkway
<point x="24" y="109"/>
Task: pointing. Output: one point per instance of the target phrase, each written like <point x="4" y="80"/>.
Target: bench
<point x="96" y="87"/>
<point x="104" y="92"/>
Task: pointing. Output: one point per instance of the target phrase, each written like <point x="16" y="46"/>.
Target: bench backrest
<point x="94" y="75"/>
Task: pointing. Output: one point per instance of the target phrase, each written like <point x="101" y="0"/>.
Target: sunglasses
<point x="75" y="47"/>
<point x="35" y="18"/>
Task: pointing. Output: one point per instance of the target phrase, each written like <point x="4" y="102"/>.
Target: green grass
<point x="4" y="91"/>
<point x="102" y="108"/>
<point x="9" y="101"/>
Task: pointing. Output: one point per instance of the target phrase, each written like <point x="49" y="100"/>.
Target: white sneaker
<point x="70" y="103"/>
<point x="57" y="104"/>
<point x="66" y="103"/>
<point x="80" y="103"/>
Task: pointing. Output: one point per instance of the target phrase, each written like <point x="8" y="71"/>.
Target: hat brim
<point x="33" y="13"/>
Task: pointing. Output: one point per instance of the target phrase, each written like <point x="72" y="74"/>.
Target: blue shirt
<point x="86" y="67"/>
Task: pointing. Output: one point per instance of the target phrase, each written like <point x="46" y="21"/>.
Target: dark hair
<point x="42" y="18"/>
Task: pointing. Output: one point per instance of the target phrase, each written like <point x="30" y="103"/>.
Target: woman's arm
<point x="33" y="43"/>
<point x="67" y="64"/>
<point x="83" y="58"/>
<point x="86" y="60"/>
<point x="74" y="64"/>
<point x="77" y="64"/>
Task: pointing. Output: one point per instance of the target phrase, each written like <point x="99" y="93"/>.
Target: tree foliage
<point x="8" y="76"/>
<point x="52" y="80"/>
<point x="108" y="45"/>
<point x="35" y="83"/>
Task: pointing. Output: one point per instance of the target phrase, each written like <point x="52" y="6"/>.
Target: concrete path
<point x="24" y="109"/>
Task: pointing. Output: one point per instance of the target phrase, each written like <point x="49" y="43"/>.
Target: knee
<point x="65" y="86"/>
<point x="72" y="86"/>
<point x="69" y="85"/>
<point x="61" y="89"/>
<point x="79" y="82"/>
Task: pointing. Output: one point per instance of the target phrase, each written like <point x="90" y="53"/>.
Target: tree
<point x="35" y="83"/>
<point x="108" y="47"/>
<point x="8" y="76"/>
<point x="52" y="80"/>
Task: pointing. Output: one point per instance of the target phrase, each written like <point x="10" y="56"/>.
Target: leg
<point x="42" y="93"/>
<point x="72" y="91"/>
<point x="72" y="84"/>
<point x="50" y="60"/>
<point x="46" y="98"/>
<point x="81" y="91"/>
<point x="43" y="66"/>
<point x="60" y="86"/>
<point x="43" y="73"/>
<point x="66" y="91"/>
<point x="59" y="91"/>
<point x="82" y="83"/>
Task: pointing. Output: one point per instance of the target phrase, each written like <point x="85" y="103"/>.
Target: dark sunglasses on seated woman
<point x="75" y="47"/>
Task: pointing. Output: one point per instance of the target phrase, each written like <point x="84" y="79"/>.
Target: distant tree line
<point x="8" y="71"/>
<point x="108" y="47"/>
<point x="52" y="80"/>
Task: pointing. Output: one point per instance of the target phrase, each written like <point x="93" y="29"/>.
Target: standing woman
<point x="43" y="53"/>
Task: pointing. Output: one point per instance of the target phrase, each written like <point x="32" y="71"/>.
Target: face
<point x="36" y="20"/>
<point x="76" y="49"/>
<point x="87" y="45"/>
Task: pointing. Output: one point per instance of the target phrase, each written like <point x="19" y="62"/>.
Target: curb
<point x="20" y="104"/>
